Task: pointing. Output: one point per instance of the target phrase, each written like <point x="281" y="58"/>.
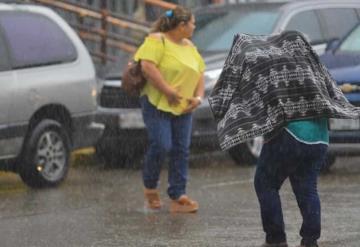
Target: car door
<point x="308" y="22"/>
<point x="6" y="91"/>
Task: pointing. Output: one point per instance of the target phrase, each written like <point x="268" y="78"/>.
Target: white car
<point x="48" y="91"/>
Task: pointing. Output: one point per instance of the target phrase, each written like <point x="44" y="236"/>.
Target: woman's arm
<point x="196" y="100"/>
<point x="153" y="74"/>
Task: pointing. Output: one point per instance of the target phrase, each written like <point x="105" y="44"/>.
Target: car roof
<point x="321" y="3"/>
<point x="280" y="4"/>
<point x="24" y="7"/>
<point x="230" y="6"/>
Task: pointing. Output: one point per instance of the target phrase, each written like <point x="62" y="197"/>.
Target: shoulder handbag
<point x="133" y="79"/>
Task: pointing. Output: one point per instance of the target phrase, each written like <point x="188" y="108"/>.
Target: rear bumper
<point x="204" y="131"/>
<point x="126" y="119"/>
<point x="343" y="143"/>
<point x="344" y="149"/>
<point x="345" y="136"/>
<point x="87" y="130"/>
<point x="125" y="127"/>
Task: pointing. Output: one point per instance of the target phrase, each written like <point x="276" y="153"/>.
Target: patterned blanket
<point x="268" y="81"/>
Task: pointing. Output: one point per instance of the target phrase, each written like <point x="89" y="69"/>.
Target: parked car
<point x="320" y="20"/>
<point x="342" y="58"/>
<point x="48" y="94"/>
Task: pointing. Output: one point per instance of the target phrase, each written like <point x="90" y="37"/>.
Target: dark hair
<point x="171" y="19"/>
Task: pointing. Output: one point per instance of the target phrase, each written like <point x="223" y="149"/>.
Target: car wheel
<point x="248" y="152"/>
<point x="45" y="159"/>
<point x="328" y="163"/>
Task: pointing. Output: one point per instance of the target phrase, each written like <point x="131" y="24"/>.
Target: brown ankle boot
<point x="183" y="205"/>
<point x="152" y="198"/>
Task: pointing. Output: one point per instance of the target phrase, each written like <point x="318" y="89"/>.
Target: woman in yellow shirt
<point x="175" y="87"/>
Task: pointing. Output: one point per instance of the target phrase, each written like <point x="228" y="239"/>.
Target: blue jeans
<point x="167" y="135"/>
<point x="285" y="157"/>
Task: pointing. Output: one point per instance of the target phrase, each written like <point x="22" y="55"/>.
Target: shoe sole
<point x="176" y="210"/>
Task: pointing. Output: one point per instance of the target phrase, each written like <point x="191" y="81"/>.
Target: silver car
<point x="48" y="90"/>
<point x="320" y="20"/>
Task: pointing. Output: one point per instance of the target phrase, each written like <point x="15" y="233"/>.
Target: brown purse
<point x="133" y="79"/>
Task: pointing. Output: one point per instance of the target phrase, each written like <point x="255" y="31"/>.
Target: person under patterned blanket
<point x="275" y="86"/>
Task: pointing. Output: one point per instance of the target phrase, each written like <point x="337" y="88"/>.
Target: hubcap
<point x="255" y="146"/>
<point x="51" y="156"/>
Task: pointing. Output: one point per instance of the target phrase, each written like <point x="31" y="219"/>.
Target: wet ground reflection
<point x="99" y="207"/>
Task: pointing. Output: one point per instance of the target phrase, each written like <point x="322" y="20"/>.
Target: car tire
<point x="329" y="161"/>
<point x="46" y="155"/>
<point x="248" y="152"/>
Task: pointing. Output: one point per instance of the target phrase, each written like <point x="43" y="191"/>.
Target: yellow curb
<point x="84" y="151"/>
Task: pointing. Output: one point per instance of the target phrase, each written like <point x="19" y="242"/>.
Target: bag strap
<point x="163" y="41"/>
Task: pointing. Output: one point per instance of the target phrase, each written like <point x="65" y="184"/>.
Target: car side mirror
<point x="332" y="45"/>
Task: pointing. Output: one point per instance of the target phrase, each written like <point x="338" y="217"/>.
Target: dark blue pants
<point x="285" y="157"/>
<point x="167" y="134"/>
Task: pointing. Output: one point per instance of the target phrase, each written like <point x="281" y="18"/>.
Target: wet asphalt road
<point x="99" y="207"/>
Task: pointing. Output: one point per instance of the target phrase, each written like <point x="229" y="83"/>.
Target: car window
<point x="4" y="63"/>
<point x="352" y="42"/>
<point x="339" y="21"/>
<point x="215" y="31"/>
<point x="35" y="40"/>
<point x="307" y="22"/>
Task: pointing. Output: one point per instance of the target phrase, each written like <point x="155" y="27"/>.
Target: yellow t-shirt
<point x="180" y="65"/>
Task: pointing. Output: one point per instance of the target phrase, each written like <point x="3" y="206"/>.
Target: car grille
<point x="115" y="97"/>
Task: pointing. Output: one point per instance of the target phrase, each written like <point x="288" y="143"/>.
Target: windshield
<point x="113" y="70"/>
<point x="215" y="31"/>
<point x="352" y="42"/>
